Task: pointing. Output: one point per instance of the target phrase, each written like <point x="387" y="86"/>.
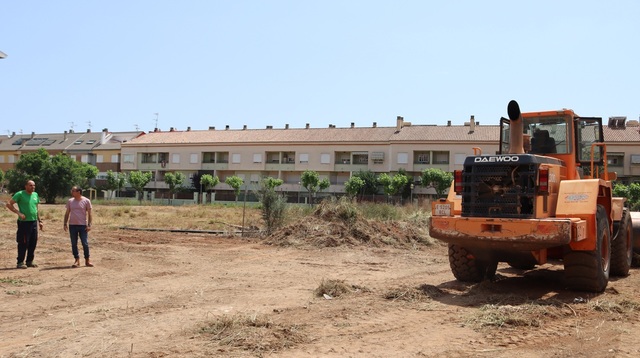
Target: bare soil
<point x="321" y="288"/>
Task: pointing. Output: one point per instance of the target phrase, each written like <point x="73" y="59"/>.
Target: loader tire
<point x="622" y="245"/>
<point x="467" y="268"/>
<point x="589" y="270"/>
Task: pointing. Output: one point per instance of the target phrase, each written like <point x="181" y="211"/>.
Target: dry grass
<point x="524" y="315"/>
<point x="413" y="294"/>
<point x="336" y="288"/>
<point x="191" y="217"/>
<point x="254" y="333"/>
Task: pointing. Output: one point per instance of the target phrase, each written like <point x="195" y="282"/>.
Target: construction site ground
<point x="317" y="288"/>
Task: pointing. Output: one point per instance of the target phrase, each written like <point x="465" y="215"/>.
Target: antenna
<point x="72" y="124"/>
<point x="89" y="124"/>
<point x="157" y="115"/>
<point x="137" y="127"/>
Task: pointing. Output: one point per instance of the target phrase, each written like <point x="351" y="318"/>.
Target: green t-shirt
<point x="28" y="204"/>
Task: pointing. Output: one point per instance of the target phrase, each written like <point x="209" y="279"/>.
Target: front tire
<point x="466" y="267"/>
<point x="589" y="270"/>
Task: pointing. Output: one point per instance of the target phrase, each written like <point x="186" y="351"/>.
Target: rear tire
<point x="467" y="267"/>
<point x="622" y="245"/>
<point x="589" y="270"/>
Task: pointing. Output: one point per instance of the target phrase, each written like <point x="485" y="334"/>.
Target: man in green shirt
<point x="28" y="220"/>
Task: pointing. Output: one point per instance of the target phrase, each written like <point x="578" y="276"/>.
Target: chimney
<point x="307" y="126"/>
<point x="244" y="127"/>
<point x="399" y="123"/>
<point x="375" y="124"/>
<point x="226" y="128"/>
<point x="64" y="138"/>
<point x="188" y="129"/>
<point x="33" y="134"/>
<point x="330" y="125"/>
<point x="88" y="130"/>
<point x="172" y="129"/>
<point x="448" y="123"/>
<point x="353" y="125"/>
<point x="103" y="136"/>
<point x="212" y="128"/>
<point x="286" y="126"/>
<point x="472" y="124"/>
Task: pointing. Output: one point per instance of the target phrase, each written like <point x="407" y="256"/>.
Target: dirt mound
<point x="339" y="223"/>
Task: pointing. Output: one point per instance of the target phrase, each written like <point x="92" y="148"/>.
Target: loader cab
<point x="543" y="134"/>
<point x="562" y="135"/>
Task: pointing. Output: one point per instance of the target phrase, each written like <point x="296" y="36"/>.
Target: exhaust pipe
<point x="516" y="128"/>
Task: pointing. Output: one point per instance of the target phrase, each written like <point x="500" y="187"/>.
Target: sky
<point x="140" y="65"/>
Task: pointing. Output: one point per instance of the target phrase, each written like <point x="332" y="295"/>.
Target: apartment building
<point x="101" y="149"/>
<point x="336" y="153"/>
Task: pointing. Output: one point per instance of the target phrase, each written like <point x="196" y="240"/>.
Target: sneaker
<point x="31" y="264"/>
<point x="21" y="265"/>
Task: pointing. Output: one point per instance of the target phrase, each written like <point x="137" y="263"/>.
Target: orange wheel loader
<point x="545" y="195"/>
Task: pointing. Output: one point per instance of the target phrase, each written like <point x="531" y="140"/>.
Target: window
<point x="128" y="158"/>
<point x="99" y="158"/>
<point x="175" y="158"/>
<point x="84" y="158"/>
<point x="325" y="158"/>
<point x="79" y="141"/>
<point x="209" y="157"/>
<point x="257" y="158"/>
<point x="304" y="158"/>
<point x="115" y="158"/>
<point x="193" y="158"/>
<point x="377" y="157"/>
<point x="1" y="158"/>
<point x="149" y="158"/>
<point x="255" y="178"/>
<point x="360" y="158"/>
<point x="615" y="159"/>
<point x="440" y="157"/>
<point x="403" y="158"/>
<point x="235" y="158"/>
<point x="635" y="158"/>
<point x="422" y="157"/>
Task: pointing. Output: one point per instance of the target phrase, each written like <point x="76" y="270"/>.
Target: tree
<point x="392" y="184"/>
<point x="174" y="181"/>
<point x="437" y="179"/>
<point x="209" y="181"/>
<point x="353" y="186"/>
<point x="631" y="192"/>
<point x="138" y="181"/>
<point x="1" y="180"/>
<point x="310" y="180"/>
<point x="273" y="204"/>
<point x="236" y="183"/>
<point x="54" y="175"/>
<point x="370" y="181"/>
<point x="115" y="181"/>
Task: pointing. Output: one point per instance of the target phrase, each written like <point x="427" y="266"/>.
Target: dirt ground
<point x="170" y="294"/>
